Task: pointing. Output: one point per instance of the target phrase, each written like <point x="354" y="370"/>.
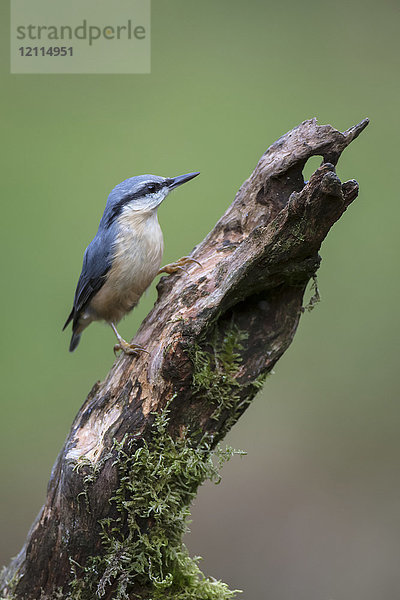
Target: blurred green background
<point x="312" y="512"/>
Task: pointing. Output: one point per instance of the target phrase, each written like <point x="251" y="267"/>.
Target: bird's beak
<point x="176" y="181"/>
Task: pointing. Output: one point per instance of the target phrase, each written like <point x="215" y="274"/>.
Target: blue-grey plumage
<point x="124" y="256"/>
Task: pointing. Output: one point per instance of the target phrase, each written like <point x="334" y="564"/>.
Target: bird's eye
<point x="151" y="187"/>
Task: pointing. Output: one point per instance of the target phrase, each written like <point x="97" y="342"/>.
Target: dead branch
<point x="246" y="300"/>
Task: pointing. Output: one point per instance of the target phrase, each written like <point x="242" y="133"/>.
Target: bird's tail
<point x="70" y="317"/>
<point x="74" y="341"/>
<point x="76" y="335"/>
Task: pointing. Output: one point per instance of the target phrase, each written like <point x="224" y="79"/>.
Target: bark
<point x="255" y="266"/>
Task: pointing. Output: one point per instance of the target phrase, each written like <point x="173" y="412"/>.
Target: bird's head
<point x="141" y="194"/>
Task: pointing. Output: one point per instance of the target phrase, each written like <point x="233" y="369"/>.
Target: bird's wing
<point x="97" y="262"/>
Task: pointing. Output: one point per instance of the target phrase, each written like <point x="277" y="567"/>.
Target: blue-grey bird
<point x="124" y="256"/>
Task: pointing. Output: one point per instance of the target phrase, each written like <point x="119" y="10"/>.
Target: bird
<point x="124" y="256"/>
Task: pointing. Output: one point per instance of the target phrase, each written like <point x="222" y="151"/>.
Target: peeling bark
<point x="256" y="264"/>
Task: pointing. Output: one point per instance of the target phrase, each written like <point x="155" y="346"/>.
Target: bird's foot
<point x="179" y="265"/>
<point x="128" y="348"/>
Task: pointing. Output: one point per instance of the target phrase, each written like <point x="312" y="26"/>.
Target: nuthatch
<point x="124" y="256"/>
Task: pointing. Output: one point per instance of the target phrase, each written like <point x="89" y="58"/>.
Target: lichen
<point x="142" y="541"/>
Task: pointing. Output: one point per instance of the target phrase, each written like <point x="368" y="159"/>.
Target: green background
<point x="312" y="511"/>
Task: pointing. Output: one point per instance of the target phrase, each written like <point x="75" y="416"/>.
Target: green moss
<point x="91" y="472"/>
<point x="11" y="583"/>
<point x="143" y="541"/>
<point x="158" y="479"/>
<point x="215" y="373"/>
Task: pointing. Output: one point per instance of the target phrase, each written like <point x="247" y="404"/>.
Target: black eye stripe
<point x="152" y="187"/>
<point x="149" y="188"/>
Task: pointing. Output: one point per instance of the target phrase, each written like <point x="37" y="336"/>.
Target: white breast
<point x="137" y="258"/>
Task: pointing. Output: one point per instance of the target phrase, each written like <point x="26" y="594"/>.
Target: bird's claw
<point x="130" y="349"/>
<point x="179" y="265"/>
